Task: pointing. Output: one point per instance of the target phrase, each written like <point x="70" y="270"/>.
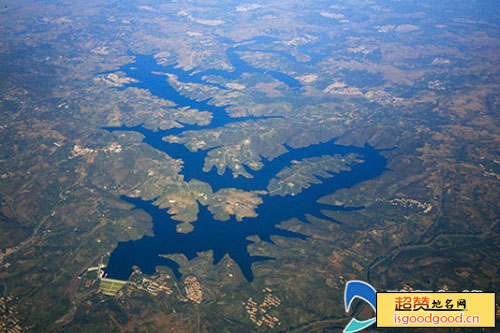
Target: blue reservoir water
<point x="225" y="237"/>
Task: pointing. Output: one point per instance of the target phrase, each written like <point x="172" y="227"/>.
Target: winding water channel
<point x="225" y="237"/>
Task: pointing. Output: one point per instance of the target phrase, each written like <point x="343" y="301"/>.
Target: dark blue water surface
<point x="225" y="237"/>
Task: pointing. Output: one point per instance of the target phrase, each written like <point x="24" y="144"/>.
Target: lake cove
<point x="230" y="237"/>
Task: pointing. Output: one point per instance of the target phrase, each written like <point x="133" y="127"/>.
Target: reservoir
<point x="225" y="237"/>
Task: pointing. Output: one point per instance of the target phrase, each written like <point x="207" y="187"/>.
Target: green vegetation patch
<point x="111" y="287"/>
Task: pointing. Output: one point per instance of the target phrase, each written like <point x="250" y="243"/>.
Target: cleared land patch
<point x="111" y="287"/>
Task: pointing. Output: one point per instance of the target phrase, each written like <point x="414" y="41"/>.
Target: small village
<point x="7" y="175"/>
<point x="91" y="275"/>
<point x="154" y="287"/>
<point x="87" y="282"/>
<point x="409" y="203"/>
<point x="259" y="313"/>
<point x="89" y="153"/>
<point x="9" y="317"/>
<point x="79" y="151"/>
<point x="193" y="289"/>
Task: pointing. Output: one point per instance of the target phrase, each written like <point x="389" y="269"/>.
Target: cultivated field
<point x="111" y="287"/>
